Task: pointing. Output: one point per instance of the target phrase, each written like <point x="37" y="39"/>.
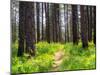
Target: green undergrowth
<point x="78" y="58"/>
<point x="75" y="58"/>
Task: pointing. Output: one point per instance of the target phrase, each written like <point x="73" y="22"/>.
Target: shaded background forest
<point x="52" y="23"/>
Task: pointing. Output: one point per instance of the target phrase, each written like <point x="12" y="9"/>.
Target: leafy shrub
<point x="44" y="62"/>
<point x="41" y="63"/>
<point x="44" y="47"/>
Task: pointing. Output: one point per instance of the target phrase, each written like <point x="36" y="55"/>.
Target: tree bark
<point x="13" y="20"/>
<point x="84" y="30"/>
<point x="67" y="24"/>
<point x="47" y="23"/>
<point x="75" y="23"/>
<point x="21" y="29"/>
<point x="89" y="23"/>
<point x="38" y="21"/>
<point x="94" y="18"/>
<point x="30" y="29"/>
<point x="42" y="24"/>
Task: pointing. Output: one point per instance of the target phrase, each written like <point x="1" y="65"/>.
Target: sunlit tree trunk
<point x="42" y="24"/>
<point x="13" y="20"/>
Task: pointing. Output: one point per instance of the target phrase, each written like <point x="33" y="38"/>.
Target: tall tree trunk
<point x="70" y="25"/>
<point x="94" y="18"/>
<point x="53" y="16"/>
<point x="30" y="28"/>
<point x="38" y="21"/>
<point x="57" y="23"/>
<point x="42" y="24"/>
<point x="54" y="23"/>
<point x="75" y="23"/>
<point x="47" y="23"/>
<point x="21" y="28"/>
<point x="51" y="22"/>
<point x="84" y="30"/>
<point x="13" y="20"/>
<point x="78" y="27"/>
<point x="67" y="25"/>
<point x="89" y="8"/>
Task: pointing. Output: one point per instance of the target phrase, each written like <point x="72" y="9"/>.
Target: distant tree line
<point x="54" y="22"/>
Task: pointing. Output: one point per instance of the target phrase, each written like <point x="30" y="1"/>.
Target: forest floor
<point x="55" y="57"/>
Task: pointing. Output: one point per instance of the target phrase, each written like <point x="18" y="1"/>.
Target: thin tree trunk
<point x="67" y="25"/>
<point x="13" y="20"/>
<point x="94" y="18"/>
<point x="90" y="23"/>
<point x="38" y="21"/>
<point x="42" y="24"/>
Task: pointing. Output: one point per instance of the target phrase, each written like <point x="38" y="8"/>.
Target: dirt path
<point x="58" y="58"/>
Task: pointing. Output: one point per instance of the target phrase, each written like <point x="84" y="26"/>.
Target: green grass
<point x="75" y="58"/>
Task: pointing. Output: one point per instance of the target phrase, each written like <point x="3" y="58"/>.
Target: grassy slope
<point x="75" y="58"/>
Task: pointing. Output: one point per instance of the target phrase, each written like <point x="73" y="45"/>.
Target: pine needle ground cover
<point x="54" y="57"/>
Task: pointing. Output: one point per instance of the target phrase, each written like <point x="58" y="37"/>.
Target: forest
<point x="49" y="37"/>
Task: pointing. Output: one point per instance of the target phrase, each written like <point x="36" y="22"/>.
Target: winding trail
<point x="58" y="58"/>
